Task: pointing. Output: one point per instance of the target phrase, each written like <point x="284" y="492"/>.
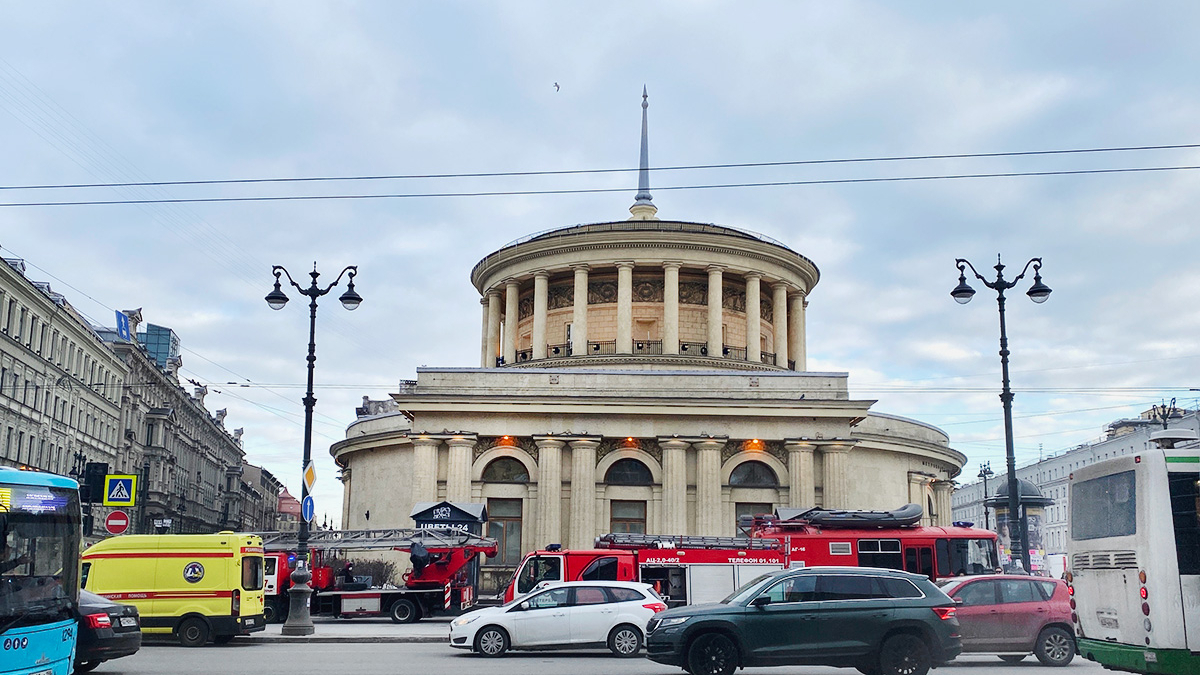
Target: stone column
<point x="458" y="471"/>
<point x="541" y="295"/>
<point x="708" y="487"/>
<point x="549" y="491"/>
<point x="674" y="458"/>
<point x="583" y="494"/>
<point x="802" y="487"/>
<point x="671" y="307"/>
<point x="779" y="323"/>
<point x="625" y="308"/>
<point x="579" y="327"/>
<point x="512" y="289"/>
<point x="753" y="318"/>
<point x="493" y="329"/>
<point x="836" y="481"/>
<point x="942" y="490"/>
<point x="796" y="330"/>
<point x="716" y="338"/>
<point x="424" y="474"/>
<point x="483" y="335"/>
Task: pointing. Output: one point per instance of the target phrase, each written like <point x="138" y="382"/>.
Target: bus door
<point x="1183" y="483"/>
<point x="918" y="559"/>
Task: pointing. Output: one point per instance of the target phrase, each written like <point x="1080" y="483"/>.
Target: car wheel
<point x="87" y="666"/>
<point x="625" y="641"/>
<point x="904" y="654"/>
<point x="1013" y="658"/>
<point x="1055" y="647"/>
<point x="712" y="654"/>
<point x="222" y="639"/>
<point x="193" y="632"/>
<point x="403" y="611"/>
<point x="491" y="641"/>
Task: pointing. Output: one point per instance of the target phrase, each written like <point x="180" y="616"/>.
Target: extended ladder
<point x="640" y="541"/>
<point x="397" y="538"/>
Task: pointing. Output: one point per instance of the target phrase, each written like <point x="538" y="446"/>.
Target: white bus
<point x="1133" y="566"/>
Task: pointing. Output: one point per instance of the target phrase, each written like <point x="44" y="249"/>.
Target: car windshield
<point x="747" y="590"/>
<point x="39" y="547"/>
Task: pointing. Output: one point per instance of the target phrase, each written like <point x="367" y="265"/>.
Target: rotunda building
<point x="639" y="375"/>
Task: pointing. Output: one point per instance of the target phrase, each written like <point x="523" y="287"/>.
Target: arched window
<point x="753" y="474"/>
<point x="505" y="470"/>
<point x="628" y="472"/>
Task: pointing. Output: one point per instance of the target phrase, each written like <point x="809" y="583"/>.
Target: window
<point x="801" y="588"/>
<point x="883" y="553"/>
<point x="557" y="597"/>
<point x="847" y="587"/>
<point x="505" y="470"/>
<point x="590" y="595"/>
<point x="1104" y="507"/>
<point x="753" y="474"/>
<point x="977" y="593"/>
<point x="600" y="569"/>
<point x="625" y="595"/>
<point x="1016" y="590"/>
<point x="1185" y="514"/>
<point x="628" y="517"/>
<point x="1045" y="589"/>
<point x="537" y="570"/>
<point x="252" y="573"/>
<point x="504" y="525"/>
<point x="628" y="472"/>
<point x="899" y="588"/>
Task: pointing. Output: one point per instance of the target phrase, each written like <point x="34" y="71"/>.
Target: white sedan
<point x="574" y="614"/>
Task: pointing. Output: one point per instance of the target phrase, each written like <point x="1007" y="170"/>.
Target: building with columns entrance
<point x="641" y="375"/>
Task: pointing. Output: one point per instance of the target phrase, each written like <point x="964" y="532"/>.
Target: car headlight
<point x="673" y="621"/>
<point x="464" y="620"/>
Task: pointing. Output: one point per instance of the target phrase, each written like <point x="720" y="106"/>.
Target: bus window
<point x="1185" y="513"/>
<point x="1104" y="507"/>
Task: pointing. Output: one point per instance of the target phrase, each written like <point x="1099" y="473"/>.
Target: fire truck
<point x="693" y="569"/>
<point x="436" y="582"/>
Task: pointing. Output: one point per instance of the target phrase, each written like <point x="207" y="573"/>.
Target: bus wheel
<point x="403" y="611"/>
<point x="1054" y="647"/>
<point x="193" y="632"/>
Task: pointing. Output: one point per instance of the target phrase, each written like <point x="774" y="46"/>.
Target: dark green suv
<point x="882" y="622"/>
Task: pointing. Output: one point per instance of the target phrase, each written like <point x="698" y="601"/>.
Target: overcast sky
<point x="153" y="91"/>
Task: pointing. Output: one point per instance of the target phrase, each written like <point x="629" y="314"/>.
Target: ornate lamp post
<point x="985" y="472"/>
<point x="299" y="621"/>
<point x="1038" y="293"/>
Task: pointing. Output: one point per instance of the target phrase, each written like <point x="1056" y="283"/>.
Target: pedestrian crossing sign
<point x="119" y="490"/>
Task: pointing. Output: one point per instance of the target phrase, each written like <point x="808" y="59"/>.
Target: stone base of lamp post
<point x="299" y="620"/>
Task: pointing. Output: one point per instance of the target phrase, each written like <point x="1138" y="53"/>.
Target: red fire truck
<point x="436" y="582"/>
<point x="694" y="569"/>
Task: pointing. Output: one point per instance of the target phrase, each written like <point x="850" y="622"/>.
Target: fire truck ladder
<point x="640" y="541"/>
<point x="399" y="538"/>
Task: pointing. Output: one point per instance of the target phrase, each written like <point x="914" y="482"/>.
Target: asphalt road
<point x="435" y="659"/>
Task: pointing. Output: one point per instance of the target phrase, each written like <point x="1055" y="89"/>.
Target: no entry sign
<point x="117" y="522"/>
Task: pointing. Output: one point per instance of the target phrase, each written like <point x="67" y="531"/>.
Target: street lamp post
<point x="1038" y="293"/>
<point x="299" y="621"/>
<point x="985" y="472"/>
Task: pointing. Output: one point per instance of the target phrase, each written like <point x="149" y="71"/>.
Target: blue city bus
<point x="40" y="531"/>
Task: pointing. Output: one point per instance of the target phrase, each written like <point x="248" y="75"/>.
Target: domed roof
<point x="1029" y="494"/>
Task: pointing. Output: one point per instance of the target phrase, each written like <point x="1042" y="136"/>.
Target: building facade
<point x="72" y="393"/>
<point x="636" y="376"/>
<point x="1051" y="475"/>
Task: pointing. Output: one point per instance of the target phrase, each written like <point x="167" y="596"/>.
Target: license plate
<point x="128" y="622"/>
<point x="249" y="622"/>
<point x="44" y="672"/>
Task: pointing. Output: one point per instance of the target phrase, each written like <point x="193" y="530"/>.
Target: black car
<point x="107" y="630"/>
<point x="882" y="622"/>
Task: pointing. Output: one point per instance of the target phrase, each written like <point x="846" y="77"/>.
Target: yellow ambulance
<point x="195" y="586"/>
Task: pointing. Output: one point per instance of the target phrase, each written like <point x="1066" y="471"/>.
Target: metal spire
<point x="643" y="207"/>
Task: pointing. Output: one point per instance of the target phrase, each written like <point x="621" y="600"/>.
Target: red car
<point x="1013" y="616"/>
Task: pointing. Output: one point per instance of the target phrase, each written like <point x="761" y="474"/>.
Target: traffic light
<point x="93" y="482"/>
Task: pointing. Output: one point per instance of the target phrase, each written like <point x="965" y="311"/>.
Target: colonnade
<point x="788" y="305"/>
<point x="581" y="518"/>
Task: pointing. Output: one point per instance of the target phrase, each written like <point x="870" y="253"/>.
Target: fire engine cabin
<point x="694" y="569"/>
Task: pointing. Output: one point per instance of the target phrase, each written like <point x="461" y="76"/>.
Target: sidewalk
<point x="436" y="629"/>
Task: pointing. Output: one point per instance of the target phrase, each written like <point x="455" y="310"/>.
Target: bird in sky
<point x="555" y="86"/>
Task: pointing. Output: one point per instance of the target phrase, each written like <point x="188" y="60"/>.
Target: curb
<point x="311" y="639"/>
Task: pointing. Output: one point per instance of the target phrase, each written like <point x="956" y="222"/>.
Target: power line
<point x="526" y="193"/>
<point x="567" y="172"/>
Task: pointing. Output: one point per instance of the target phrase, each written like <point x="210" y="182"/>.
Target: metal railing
<point x="563" y="349"/>
<point x="731" y="352"/>
<point x="602" y="347"/>
<point x="693" y="348"/>
<point x="647" y="347"/>
<point x="768" y="358"/>
<point x="524" y="354"/>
